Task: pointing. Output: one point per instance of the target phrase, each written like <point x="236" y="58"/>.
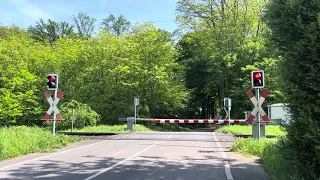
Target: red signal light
<point x="52" y="81"/>
<point x="257" y="79"/>
<point x="257" y="75"/>
<point x="51" y="78"/>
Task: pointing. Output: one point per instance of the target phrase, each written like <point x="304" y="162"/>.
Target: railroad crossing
<point x="258" y="127"/>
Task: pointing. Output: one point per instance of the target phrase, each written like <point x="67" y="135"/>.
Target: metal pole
<point x="258" y="114"/>
<point x="229" y="108"/>
<point x="54" y="115"/>
<point x="135" y="114"/>
<point x="72" y="120"/>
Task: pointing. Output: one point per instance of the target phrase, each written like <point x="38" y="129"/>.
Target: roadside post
<point x="72" y="119"/>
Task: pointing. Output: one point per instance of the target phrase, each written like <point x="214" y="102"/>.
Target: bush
<point x="83" y="116"/>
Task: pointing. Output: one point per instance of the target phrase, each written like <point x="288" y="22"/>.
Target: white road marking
<point x="60" y="152"/>
<point x="226" y="164"/>
<point x="170" y="136"/>
<point x="123" y="161"/>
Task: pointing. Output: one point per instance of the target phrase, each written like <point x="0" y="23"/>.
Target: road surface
<point x="139" y="156"/>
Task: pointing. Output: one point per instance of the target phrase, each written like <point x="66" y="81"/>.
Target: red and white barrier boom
<point x="195" y="121"/>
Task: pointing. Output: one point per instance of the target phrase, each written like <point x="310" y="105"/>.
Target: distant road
<point x="139" y="156"/>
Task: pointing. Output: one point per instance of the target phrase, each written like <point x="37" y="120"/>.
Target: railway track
<point x="111" y="133"/>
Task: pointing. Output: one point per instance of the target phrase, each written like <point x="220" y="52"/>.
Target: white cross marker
<point x="257" y="106"/>
<point x="53" y="106"/>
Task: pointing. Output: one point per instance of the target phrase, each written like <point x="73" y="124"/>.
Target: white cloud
<point x="30" y="9"/>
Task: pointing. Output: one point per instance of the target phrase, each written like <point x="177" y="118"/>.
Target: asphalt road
<point x="139" y="156"/>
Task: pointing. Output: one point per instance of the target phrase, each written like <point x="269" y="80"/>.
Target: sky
<point x="24" y="13"/>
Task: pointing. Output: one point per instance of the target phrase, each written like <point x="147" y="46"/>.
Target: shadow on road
<point x="146" y="167"/>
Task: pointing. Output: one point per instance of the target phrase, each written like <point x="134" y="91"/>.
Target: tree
<point x="65" y="30"/>
<point x="295" y="29"/>
<point x="84" y="24"/>
<point x="6" y="32"/>
<point x="160" y="88"/>
<point x="226" y="40"/>
<point x="19" y="103"/>
<point x="50" y="31"/>
<point x="116" y="26"/>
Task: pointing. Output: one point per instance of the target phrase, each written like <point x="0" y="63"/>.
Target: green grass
<point x="247" y="130"/>
<point x="123" y="128"/>
<point x="104" y="128"/>
<point x="250" y="146"/>
<point x="276" y="166"/>
<point x="21" y="140"/>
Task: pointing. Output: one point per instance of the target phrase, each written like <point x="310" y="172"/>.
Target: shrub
<point x="83" y="115"/>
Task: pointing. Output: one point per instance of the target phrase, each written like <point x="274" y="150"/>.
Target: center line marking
<point x="226" y="164"/>
<point x="123" y="161"/>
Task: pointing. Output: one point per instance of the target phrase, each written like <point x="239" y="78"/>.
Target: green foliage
<point x="19" y="103"/>
<point x="83" y="115"/>
<point x="296" y="35"/>
<point x="268" y="150"/>
<point x="7" y="32"/>
<point x="104" y="72"/>
<point x="227" y="41"/>
<point x="84" y="24"/>
<point x="116" y="26"/>
<point x="50" y="31"/>
<point x="247" y="130"/>
<point x="21" y="140"/>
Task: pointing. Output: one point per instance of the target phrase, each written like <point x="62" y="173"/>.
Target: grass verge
<point x="21" y="140"/>
<point x="277" y="167"/>
<point x="267" y="149"/>
<point x="247" y="130"/>
<point x="106" y="128"/>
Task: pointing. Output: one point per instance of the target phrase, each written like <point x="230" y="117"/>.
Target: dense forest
<point x="209" y="57"/>
<point x="101" y="72"/>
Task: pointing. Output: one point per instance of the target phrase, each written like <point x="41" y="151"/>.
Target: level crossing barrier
<point x="130" y="121"/>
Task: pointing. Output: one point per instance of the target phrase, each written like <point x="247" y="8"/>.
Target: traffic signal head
<point x="52" y="82"/>
<point x="257" y="79"/>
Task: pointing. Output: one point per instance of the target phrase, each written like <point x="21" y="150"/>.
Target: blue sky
<point x="26" y="12"/>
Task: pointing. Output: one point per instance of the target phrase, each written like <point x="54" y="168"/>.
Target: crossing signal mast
<point x="257" y="82"/>
<point x="52" y="84"/>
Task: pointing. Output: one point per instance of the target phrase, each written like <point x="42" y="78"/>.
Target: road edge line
<point x="226" y="163"/>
